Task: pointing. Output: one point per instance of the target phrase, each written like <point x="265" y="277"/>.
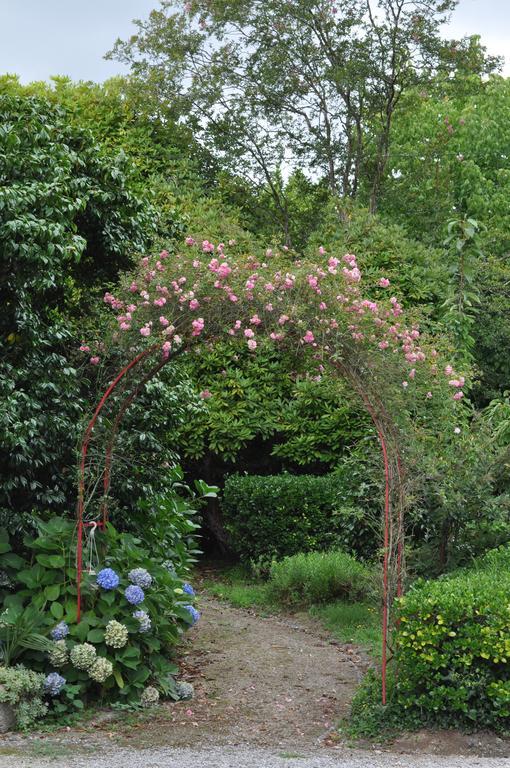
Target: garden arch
<point x="301" y="308"/>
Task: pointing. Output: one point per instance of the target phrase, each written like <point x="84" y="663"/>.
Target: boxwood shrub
<point x="453" y="646"/>
<point x="281" y="515"/>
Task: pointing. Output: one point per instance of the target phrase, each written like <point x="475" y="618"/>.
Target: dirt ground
<point x="263" y="681"/>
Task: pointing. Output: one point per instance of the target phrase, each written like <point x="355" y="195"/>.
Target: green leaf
<point x="4" y="541"/>
<point x="81" y="631"/>
<point x="108" y="597"/>
<point x="118" y="678"/>
<point x="11" y="560"/>
<point x="95" y="636"/>
<point x="56" y="610"/>
<point x="52" y="592"/>
<point x="51" y="561"/>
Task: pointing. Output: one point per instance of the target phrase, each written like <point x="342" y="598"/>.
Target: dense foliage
<point x="67" y="220"/>
<point x="452" y="653"/>
<point x="134" y="609"/>
<point x="279" y="515"/>
<point x="319" y="577"/>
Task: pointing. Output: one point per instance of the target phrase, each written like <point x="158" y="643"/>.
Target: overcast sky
<point x="40" y="38"/>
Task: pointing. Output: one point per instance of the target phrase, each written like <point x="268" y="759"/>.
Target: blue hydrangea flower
<point x="54" y="683"/>
<point x="188" y="589"/>
<point x="134" y="594"/>
<point x="144" y="619"/>
<point x="60" y="631"/>
<point x="169" y="566"/>
<point x="140" y="577"/>
<point x="107" y="579"/>
<point x="195" y="615"/>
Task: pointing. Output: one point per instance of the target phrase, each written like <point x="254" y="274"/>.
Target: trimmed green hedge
<point x="453" y="646"/>
<point x="280" y="515"/>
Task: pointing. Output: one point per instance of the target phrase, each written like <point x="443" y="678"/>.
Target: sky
<point x="40" y="38"/>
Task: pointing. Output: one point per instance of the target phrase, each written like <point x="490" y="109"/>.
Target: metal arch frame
<point x="380" y="419"/>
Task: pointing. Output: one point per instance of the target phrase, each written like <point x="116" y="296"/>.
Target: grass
<point x="357" y="623"/>
<point x="235" y="585"/>
<point x="310" y="578"/>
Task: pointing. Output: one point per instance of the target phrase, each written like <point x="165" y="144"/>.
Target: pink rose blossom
<point x="84" y="348"/>
<point x="205" y="394"/>
<point x="94" y="360"/>
<point x="249" y="333"/>
<point x="198" y="326"/>
<point x="194" y="304"/>
<point x="384" y="282"/>
<point x="308" y="338"/>
<point x="252" y="344"/>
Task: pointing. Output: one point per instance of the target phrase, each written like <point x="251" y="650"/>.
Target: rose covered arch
<point x="172" y="304"/>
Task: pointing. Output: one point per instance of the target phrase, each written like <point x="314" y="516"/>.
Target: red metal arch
<point x="380" y="419"/>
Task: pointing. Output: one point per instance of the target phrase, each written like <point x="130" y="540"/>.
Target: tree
<point x="67" y="219"/>
<point x="272" y="84"/>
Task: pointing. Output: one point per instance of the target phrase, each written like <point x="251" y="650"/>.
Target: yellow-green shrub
<point x="453" y="646"/>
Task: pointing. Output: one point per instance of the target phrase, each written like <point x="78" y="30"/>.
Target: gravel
<point x="245" y="757"/>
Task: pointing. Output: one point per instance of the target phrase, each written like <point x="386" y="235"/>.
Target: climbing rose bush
<point x="321" y="311"/>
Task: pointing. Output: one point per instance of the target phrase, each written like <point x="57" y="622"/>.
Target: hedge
<point x="281" y="515"/>
<point x="453" y="646"/>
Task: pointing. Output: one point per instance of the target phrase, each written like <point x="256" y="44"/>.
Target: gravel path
<point x="249" y="757"/>
<point x="269" y="693"/>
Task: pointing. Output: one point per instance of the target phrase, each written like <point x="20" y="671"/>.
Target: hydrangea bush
<point x="135" y="610"/>
<point x="24" y="689"/>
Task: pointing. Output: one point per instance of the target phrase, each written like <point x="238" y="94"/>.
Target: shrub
<point x="453" y="646"/>
<point x="319" y="577"/>
<point x="281" y="515"/>
<point x="68" y="217"/>
<point x="23" y="690"/>
<point x="126" y="635"/>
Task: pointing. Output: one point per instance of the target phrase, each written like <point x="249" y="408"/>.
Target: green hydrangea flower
<point x="59" y="655"/>
<point x="116" y="634"/>
<point x="83" y="656"/>
<point x="149" y="697"/>
<point x="101" y="669"/>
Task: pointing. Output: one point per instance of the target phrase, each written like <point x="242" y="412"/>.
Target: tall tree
<point x="274" y="84"/>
